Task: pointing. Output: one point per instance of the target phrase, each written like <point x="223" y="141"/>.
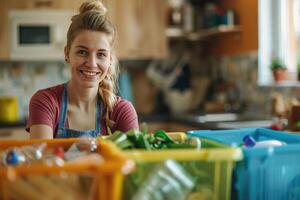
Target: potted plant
<point x="279" y="69"/>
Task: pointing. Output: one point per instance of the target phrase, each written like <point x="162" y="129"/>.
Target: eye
<point x="82" y="52"/>
<point x="101" y="55"/>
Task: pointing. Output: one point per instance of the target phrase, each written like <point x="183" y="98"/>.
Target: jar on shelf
<point x="212" y="16"/>
<point x="175" y="13"/>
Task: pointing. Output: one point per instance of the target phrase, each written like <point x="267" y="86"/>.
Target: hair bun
<point x="95" y="5"/>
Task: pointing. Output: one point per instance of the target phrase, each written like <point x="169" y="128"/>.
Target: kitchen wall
<point x="225" y="83"/>
<point x="239" y="74"/>
<point x="236" y="74"/>
<point x="24" y="79"/>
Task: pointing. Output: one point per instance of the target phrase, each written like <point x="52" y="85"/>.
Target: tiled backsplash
<point x="24" y="79"/>
<point x="240" y="71"/>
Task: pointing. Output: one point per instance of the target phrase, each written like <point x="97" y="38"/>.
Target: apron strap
<point x="98" y="115"/>
<point x="63" y="110"/>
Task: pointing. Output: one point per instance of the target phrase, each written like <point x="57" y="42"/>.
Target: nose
<point x="92" y="61"/>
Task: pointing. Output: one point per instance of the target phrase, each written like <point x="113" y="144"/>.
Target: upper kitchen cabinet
<point x="45" y="4"/>
<point x="246" y="13"/>
<point x="3" y="30"/>
<point x="140" y="26"/>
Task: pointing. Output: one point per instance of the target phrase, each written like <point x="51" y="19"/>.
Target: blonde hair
<point x="92" y="16"/>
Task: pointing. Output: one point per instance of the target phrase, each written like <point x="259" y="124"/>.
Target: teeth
<point x="90" y="73"/>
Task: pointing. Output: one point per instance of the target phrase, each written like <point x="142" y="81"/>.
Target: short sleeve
<point x="124" y="116"/>
<point x="42" y="110"/>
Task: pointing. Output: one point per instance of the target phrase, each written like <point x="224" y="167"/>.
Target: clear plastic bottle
<point x="81" y="148"/>
<point x="168" y="181"/>
<point x="23" y="155"/>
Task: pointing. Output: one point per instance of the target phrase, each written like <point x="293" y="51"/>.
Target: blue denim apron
<point x="64" y="132"/>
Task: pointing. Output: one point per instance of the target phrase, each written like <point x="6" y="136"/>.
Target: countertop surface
<point x="201" y="121"/>
<point x="17" y="124"/>
<point x="212" y="121"/>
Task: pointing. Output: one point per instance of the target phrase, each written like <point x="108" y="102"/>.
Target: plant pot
<point x="280" y="74"/>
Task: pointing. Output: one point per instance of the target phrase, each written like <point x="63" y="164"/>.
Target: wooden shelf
<point x="176" y="33"/>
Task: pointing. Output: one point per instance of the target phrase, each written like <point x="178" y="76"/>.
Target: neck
<point x="83" y="98"/>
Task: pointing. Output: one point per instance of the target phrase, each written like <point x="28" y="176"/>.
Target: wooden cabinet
<point x="247" y="14"/>
<point x="45" y="4"/>
<point x="140" y="24"/>
<point x="4" y="30"/>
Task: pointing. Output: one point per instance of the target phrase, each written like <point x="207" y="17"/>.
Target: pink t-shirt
<point x="44" y="108"/>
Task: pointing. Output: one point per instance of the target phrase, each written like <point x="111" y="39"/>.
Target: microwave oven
<point x="38" y="34"/>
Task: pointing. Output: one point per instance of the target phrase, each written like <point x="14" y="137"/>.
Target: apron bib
<point x="64" y="132"/>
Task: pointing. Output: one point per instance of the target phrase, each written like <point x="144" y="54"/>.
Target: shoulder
<point x="122" y="109"/>
<point x="123" y="105"/>
<point x="124" y="115"/>
<point x="49" y="94"/>
<point x="44" y="106"/>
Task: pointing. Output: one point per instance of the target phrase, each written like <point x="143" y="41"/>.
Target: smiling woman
<point x="89" y="57"/>
<point x="87" y="105"/>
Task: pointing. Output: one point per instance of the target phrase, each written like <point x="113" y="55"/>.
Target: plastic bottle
<point x="168" y="181"/>
<point x="81" y="148"/>
<point x="249" y="141"/>
<point x="23" y="155"/>
<point x="269" y="143"/>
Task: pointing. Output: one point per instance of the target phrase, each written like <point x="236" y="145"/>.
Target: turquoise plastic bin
<point x="266" y="172"/>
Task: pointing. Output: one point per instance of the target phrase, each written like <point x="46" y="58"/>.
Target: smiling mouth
<point x="89" y="73"/>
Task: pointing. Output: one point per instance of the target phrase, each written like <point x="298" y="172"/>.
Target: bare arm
<point x="41" y="131"/>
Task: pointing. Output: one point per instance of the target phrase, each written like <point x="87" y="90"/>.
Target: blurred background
<point x="185" y="64"/>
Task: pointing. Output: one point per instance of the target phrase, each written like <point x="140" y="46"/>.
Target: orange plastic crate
<point x="107" y="175"/>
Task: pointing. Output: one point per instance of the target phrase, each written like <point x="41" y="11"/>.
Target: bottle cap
<point x="12" y="157"/>
<point x="249" y="141"/>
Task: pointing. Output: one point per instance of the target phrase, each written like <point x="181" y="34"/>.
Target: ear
<point x="66" y="51"/>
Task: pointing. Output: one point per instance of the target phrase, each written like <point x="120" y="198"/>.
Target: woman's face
<point x="90" y="57"/>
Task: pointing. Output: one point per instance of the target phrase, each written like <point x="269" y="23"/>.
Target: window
<point x="279" y="36"/>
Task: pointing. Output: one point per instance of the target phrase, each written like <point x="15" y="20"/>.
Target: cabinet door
<point x="4" y="41"/>
<point x="152" y="21"/>
<point x="45" y="4"/>
<point x="140" y="28"/>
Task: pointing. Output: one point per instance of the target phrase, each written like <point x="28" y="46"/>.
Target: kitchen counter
<point x="17" y="124"/>
<point x="205" y="121"/>
<point x="13" y="130"/>
<point x="211" y="121"/>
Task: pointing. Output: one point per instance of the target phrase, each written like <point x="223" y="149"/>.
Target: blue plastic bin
<point x="266" y="172"/>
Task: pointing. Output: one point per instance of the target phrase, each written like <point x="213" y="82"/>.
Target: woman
<point x="87" y="104"/>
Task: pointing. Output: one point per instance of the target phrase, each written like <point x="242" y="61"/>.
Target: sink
<point x="227" y="121"/>
<point x="244" y="124"/>
<point x="217" y="117"/>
